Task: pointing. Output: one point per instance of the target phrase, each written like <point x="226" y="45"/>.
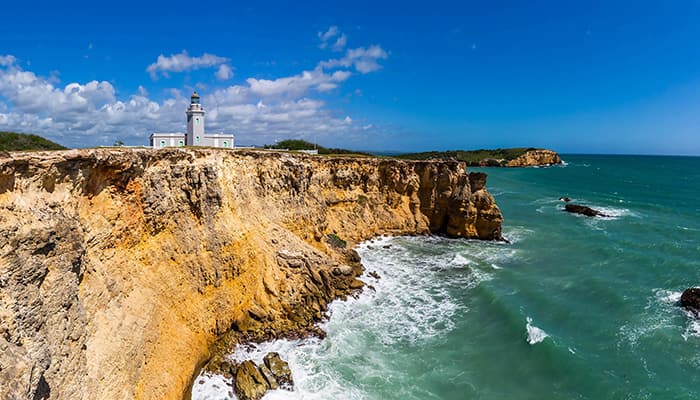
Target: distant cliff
<point x="120" y="268"/>
<point x="514" y="157"/>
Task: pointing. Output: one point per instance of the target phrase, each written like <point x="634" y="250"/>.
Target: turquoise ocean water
<point x="573" y="308"/>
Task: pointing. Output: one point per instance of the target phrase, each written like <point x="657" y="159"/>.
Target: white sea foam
<point x="212" y="387"/>
<point x="660" y="313"/>
<point x="411" y="303"/>
<point x="534" y="334"/>
<point x="460" y="260"/>
<point x="615" y="212"/>
<point x="668" y="296"/>
<point x="515" y="234"/>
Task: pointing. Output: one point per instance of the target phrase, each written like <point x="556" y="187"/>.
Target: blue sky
<point x="578" y="77"/>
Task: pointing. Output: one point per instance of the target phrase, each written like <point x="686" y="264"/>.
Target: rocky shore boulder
<point x="280" y="370"/>
<point x="252" y="381"/>
<point x="690" y="300"/>
<point x="583" y="210"/>
<point x="250" y="384"/>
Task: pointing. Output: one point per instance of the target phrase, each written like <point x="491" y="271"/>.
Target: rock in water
<point x="690" y="299"/>
<point x="565" y="199"/>
<point x="250" y="384"/>
<point x="280" y="370"/>
<point x="269" y="377"/>
<point x="584" y="210"/>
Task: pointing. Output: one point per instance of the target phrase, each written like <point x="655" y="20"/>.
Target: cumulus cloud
<point x="182" y="62"/>
<point x="333" y="38"/>
<point x="257" y="111"/>
<point x="7" y="60"/>
<point x="298" y="84"/>
<point x="326" y="36"/>
<point x="364" y="60"/>
<point x="224" y="72"/>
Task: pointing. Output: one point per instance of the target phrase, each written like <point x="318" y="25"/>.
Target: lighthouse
<point x="195" y="121"/>
<point x="195" y="135"/>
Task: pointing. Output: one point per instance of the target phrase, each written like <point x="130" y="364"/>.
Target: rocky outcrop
<point x="250" y="384"/>
<point x="252" y="381"/>
<point x="279" y="370"/>
<point x="583" y="210"/>
<point x="539" y="157"/>
<point x="120" y="269"/>
<point x="690" y="300"/>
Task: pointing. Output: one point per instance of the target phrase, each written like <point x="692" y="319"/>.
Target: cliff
<point x="513" y="157"/>
<point x="531" y="158"/>
<point x="119" y="269"/>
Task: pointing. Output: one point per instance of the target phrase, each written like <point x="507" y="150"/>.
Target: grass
<point x="11" y="141"/>
<point x="296" y="145"/>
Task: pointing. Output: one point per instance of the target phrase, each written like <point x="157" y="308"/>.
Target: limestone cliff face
<point x="120" y="268"/>
<point x="533" y="158"/>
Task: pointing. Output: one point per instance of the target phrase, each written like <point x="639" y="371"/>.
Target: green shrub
<point x="336" y="241"/>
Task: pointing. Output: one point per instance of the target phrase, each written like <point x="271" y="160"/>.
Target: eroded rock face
<point x="120" y="269"/>
<point x="533" y="158"/>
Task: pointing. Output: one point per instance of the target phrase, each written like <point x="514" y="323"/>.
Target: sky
<point x="618" y="77"/>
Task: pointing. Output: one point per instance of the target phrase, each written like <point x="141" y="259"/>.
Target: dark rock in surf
<point x="280" y="370"/>
<point x="690" y="300"/>
<point x="583" y="210"/>
<point x="250" y="384"/>
<point x="565" y="199"/>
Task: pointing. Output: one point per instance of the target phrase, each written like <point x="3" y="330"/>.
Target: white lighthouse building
<point x="195" y="135"/>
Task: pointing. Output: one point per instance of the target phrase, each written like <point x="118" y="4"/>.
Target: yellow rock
<point x="122" y="267"/>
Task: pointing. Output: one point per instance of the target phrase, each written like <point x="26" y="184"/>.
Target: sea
<point x="573" y="307"/>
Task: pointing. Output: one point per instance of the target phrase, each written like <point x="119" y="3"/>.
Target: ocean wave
<point x="515" y="234"/>
<point x="411" y="303"/>
<point x="534" y="334"/>
<point x="615" y="212"/>
<point x="661" y="313"/>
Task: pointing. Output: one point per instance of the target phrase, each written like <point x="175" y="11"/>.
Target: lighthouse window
<point x="196" y="139"/>
<point x="196" y="121"/>
<point x="181" y="143"/>
<point x="225" y="143"/>
<point x="162" y="143"/>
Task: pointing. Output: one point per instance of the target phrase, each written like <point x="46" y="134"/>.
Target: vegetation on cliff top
<point x="11" y="141"/>
<point x="296" y="144"/>
<point x="471" y="157"/>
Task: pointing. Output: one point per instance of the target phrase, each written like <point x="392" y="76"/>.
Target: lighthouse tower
<point x="195" y="122"/>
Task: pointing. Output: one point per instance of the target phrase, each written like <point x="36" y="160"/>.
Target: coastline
<point x="221" y="240"/>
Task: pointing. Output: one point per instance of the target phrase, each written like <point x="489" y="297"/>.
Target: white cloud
<point x="340" y="43"/>
<point x="182" y="62"/>
<point x="326" y="36"/>
<point x="364" y="60"/>
<point x="7" y="60"/>
<point x="297" y="85"/>
<point x="224" y="72"/>
<point x="257" y="111"/>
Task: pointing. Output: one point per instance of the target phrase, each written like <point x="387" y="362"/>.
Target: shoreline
<point x="156" y="254"/>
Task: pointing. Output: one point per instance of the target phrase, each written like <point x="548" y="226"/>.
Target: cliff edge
<point x="513" y="157"/>
<point x="120" y="268"/>
<point x="537" y="157"/>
